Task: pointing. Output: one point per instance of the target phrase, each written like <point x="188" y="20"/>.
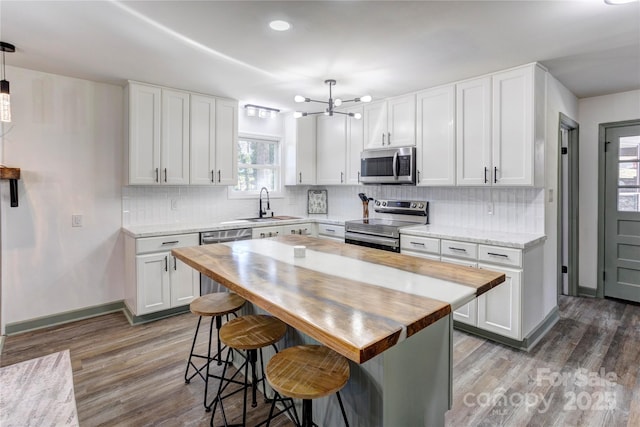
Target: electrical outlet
<point x="174" y="204"/>
<point x="76" y="220"/>
<point x="490" y="208"/>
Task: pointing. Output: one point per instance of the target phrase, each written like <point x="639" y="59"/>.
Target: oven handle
<point x="372" y="239"/>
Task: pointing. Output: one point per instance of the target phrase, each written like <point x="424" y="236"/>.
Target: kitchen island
<point x="386" y="312"/>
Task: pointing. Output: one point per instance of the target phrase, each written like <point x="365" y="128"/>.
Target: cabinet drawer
<point x="263" y="232"/>
<point x="331" y="230"/>
<point x="166" y="243"/>
<point x="419" y="244"/>
<point x="499" y="255"/>
<point x="456" y="249"/>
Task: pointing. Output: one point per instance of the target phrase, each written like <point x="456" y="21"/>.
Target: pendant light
<point x="329" y="111"/>
<point x="5" y="98"/>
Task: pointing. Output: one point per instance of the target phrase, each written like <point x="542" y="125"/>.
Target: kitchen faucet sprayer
<point x="262" y="212"/>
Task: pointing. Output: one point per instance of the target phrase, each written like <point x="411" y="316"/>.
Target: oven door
<point x="370" y="241"/>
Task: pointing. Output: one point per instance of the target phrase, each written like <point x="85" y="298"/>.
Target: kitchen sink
<point x="269" y="218"/>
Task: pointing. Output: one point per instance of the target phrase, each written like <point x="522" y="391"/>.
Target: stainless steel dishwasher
<point x="207" y="285"/>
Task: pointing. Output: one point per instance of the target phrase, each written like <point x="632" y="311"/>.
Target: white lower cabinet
<point x="331" y="231"/>
<point x="468" y="313"/>
<point x="499" y="310"/>
<point x="156" y="280"/>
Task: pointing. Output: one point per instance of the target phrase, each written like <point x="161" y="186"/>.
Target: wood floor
<point x="585" y="372"/>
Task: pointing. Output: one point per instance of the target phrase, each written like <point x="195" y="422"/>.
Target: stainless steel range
<point x="383" y="231"/>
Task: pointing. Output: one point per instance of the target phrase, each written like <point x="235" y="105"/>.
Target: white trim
<point x="276" y="194"/>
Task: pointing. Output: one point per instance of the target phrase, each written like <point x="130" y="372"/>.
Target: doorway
<point x="619" y="216"/>
<point x="568" y="206"/>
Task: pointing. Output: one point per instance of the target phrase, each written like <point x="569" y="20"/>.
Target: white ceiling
<point x="381" y="48"/>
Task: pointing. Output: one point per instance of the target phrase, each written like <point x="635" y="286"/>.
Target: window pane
<point x="629" y="199"/>
<point x="253" y="179"/>
<point x="257" y="152"/>
<point x="630" y="148"/>
<point x="628" y="173"/>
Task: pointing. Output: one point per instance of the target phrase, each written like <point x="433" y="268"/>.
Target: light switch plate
<point x="76" y="220"/>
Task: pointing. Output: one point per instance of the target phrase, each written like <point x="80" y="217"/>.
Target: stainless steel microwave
<point x="388" y="166"/>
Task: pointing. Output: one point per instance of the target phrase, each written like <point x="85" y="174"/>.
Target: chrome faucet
<point x="262" y="213"/>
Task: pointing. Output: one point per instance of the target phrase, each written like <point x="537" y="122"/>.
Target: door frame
<point x="573" y="128"/>
<point x="602" y="148"/>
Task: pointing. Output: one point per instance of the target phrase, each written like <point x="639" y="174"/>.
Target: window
<point x="258" y="165"/>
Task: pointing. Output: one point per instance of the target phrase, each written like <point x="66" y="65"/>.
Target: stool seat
<point x="307" y="372"/>
<point x="217" y="304"/>
<point x="252" y="332"/>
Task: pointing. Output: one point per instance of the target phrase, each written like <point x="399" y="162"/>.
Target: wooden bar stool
<point x="307" y="372"/>
<point x="215" y="306"/>
<point x="250" y="333"/>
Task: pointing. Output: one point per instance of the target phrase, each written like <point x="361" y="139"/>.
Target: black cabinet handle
<point x="165" y="174"/>
<point x="417" y="243"/>
<point x="173" y="242"/>
<point x="175" y="263"/>
<point x="166" y="264"/>
<point x="219" y="176"/>
<point x="457" y="249"/>
<point x="495" y="174"/>
<point x="212" y="178"/>
<point x="485" y="175"/>
<point x="495" y="254"/>
<point x="157" y="178"/>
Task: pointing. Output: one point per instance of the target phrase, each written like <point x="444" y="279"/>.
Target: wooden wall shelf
<point x="9" y="173"/>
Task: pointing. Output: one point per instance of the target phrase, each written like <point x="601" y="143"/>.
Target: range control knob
<point x="413" y="205"/>
<point x="377" y="202"/>
<point x="420" y="206"/>
<point x="384" y="203"/>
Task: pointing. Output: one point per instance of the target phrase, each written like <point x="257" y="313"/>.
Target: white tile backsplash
<point x="514" y="209"/>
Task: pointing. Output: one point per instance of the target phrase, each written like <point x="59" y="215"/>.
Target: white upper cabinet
<point x="500" y="128"/>
<point x="143" y="117"/>
<point x="390" y="123"/>
<point x="435" y="136"/>
<point x="174" y="154"/>
<point x="203" y="140"/>
<point x="473" y="132"/>
<point x="300" y="150"/>
<point x="226" y="166"/>
<point x="331" y="149"/>
<point x="178" y="138"/>
<point x="355" y="144"/>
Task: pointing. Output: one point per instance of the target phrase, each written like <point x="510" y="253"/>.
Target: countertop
<point x="497" y="238"/>
<point x="514" y="240"/>
<point x="356" y="300"/>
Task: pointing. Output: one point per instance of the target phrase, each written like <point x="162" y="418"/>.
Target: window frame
<point x="255" y="194"/>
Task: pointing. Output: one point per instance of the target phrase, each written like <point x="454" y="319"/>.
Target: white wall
<point x="66" y="136"/>
<point x="559" y="100"/>
<point x="591" y="113"/>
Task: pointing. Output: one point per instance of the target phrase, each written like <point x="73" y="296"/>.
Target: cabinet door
<point x="203" y="140"/>
<point x="355" y="144"/>
<point x="473" y="132"/>
<point x="154" y="291"/>
<point x="435" y="131"/>
<point x="174" y="158"/>
<point x="468" y="313"/>
<point x="144" y="134"/>
<point x="226" y="169"/>
<point x="499" y="309"/>
<point x="299" y="229"/>
<point x="306" y="151"/>
<point x="375" y="125"/>
<point x="185" y="286"/>
<point x="513" y="134"/>
<point x="331" y="149"/>
<point x="401" y="121"/>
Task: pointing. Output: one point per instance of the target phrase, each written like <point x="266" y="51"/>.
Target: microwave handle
<point x="395" y="165"/>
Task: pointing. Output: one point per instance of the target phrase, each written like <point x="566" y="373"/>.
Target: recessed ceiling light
<point x="279" y="25"/>
<point x="616" y="2"/>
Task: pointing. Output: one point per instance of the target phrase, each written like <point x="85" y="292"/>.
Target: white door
<point x="499" y="309"/>
<point x="154" y="292"/>
<point x="512" y="142"/>
<point x="144" y="134"/>
<point x="435" y="132"/>
<point x="331" y="149"/>
<point x="375" y="125"/>
<point x="355" y="144"/>
<point x="401" y="121"/>
<point x="226" y="170"/>
<point x="473" y="132"/>
<point x="306" y="151"/>
<point x="174" y="159"/>
<point x="203" y="140"/>
<point x="468" y="313"/>
<point x="185" y="282"/>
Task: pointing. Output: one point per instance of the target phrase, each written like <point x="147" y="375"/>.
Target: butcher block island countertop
<point x="356" y="300"/>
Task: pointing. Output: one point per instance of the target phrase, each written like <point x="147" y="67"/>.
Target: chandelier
<point x="331" y="104"/>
